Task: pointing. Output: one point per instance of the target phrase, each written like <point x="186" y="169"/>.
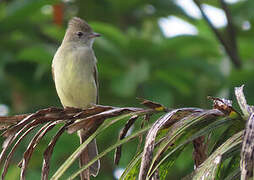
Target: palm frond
<point x="166" y="138"/>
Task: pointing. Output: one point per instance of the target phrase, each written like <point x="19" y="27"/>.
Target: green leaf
<point x="166" y="165"/>
<point x="107" y="123"/>
<point x="175" y="81"/>
<point x="126" y="85"/>
<point x="132" y="169"/>
<point x="112" y="33"/>
<point x="233" y="165"/>
<point x="175" y="136"/>
<point x="236" y="174"/>
<point x="19" y="11"/>
<point x="112" y="147"/>
<point x="37" y="53"/>
<point x="54" y="32"/>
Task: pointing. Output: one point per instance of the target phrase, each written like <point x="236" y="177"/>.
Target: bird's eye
<point x="80" y="34"/>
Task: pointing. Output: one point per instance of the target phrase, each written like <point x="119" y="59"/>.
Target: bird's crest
<point x="79" y="24"/>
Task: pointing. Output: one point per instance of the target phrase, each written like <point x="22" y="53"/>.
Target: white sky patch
<point x="4" y="110"/>
<point x="231" y="1"/>
<point x="190" y="8"/>
<point x="217" y="16"/>
<point x="118" y="172"/>
<point x="68" y="1"/>
<point x="130" y="131"/>
<point x="174" y="26"/>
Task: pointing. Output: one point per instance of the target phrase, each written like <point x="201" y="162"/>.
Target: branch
<point x="228" y="48"/>
<point x="230" y="26"/>
<point x="230" y="29"/>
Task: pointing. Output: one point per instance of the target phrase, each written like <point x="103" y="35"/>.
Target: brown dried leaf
<point x="150" y="142"/>
<point x="18" y="126"/>
<point x="92" y="111"/>
<point x="12" y="133"/>
<point x="11" y="138"/>
<point x="34" y="142"/>
<point x="166" y="119"/>
<point x="48" y="152"/>
<point x="182" y="113"/>
<point x="200" y="151"/>
<point x="42" y="116"/>
<point x="247" y="153"/>
<point x="12" y="119"/>
<point x="145" y="120"/>
<point x="7" y="121"/>
<point x="224" y="105"/>
<point x="246" y="109"/>
<point x="11" y="153"/>
<point x="92" y="117"/>
<point x="122" y="135"/>
<point x="153" y="105"/>
<point x="91" y="121"/>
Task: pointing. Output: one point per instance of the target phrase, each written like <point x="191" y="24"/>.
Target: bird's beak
<point x="94" y="35"/>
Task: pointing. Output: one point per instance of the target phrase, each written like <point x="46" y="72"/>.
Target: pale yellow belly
<point x="79" y="94"/>
<point x="75" y="83"/>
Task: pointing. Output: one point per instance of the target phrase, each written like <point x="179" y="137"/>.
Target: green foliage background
<point x="135" y="59"/>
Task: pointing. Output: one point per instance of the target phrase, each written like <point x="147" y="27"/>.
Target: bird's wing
<point x="96" y="82"/>
<point x="52" y="70"/>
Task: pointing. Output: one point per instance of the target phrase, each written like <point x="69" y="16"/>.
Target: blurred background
<point x="161" y="50"/>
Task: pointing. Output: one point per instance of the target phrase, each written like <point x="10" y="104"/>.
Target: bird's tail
<point x="88" y="154"/>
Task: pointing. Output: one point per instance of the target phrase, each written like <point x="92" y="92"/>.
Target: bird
<point x="74" y="70"/>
